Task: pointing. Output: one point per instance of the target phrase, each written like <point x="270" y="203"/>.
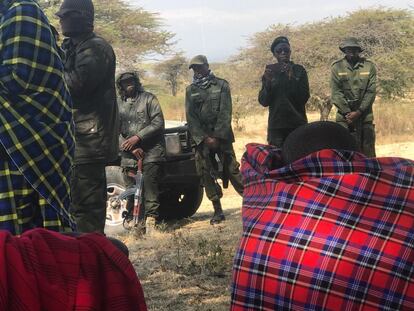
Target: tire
<point x="176" y="202"/>
<point x="180" y="203"/>
<point x="115" y="185"/>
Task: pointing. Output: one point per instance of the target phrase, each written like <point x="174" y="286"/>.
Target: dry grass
<point x="187" y="265"/>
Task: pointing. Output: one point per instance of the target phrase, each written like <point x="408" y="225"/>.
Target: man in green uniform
<point x="89" y="67"/>
<point x="353" y="91"/>
<point x="142" y="127"/>
<point x="209" y="112"/>
<point x="285" y="90"/>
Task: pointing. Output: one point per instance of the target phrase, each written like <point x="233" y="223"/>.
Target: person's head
<point x="316" y="136"/>
<point x="281" y="49"/>
<point x="128" y="84"/>
<point x="199" y="65"/>
<point x="76" y="17"/>
<point x="351" y="48"/>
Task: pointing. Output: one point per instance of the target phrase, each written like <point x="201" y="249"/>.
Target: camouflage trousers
<point x="230" y="167"/>
<point x="364" y="134"/>
<point x="88" y="188"/>
<point x="151" y="173"/>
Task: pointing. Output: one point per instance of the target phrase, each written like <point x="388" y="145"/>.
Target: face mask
<point x="75" y="24"/>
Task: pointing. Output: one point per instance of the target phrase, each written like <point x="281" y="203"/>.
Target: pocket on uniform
<point x="363" y="83"/>
<point x="345" y="83"/>
<point x="86" y="127"/>
<point x="140" y="116"/>
<point x="215" y="102"/>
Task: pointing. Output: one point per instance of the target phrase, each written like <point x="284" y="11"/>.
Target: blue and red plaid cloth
<point x="36" y="126"/>
<point x="331" y="231"/>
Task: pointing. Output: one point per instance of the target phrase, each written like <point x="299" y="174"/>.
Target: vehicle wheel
<point x="115" y="208"/>
<point x="180" y="203"/>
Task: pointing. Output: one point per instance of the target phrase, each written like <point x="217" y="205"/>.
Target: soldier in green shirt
<point x="209" y="112"/>
<point x="353" y="91"/>
<point x="285" y="90"/>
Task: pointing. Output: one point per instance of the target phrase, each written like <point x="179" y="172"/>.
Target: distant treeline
<point x="387" y="36"/>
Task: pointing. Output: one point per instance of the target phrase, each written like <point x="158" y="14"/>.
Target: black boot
<point x="218" y="216"/>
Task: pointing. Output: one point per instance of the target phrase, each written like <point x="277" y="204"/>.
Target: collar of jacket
<point x="357" y="65"/>
<point x="72" y="42"/>
<point x="212" y="81"/>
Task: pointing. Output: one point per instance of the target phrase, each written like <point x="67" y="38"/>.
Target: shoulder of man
<point x="299" y="68"/>
<point x="221" y="80"/>
<point x="223" y="83"/>
<point x="368" y="62"/>
<point x="94" y="39"/>
<point x="149" y="97"/>
<point x="337" y="63"/>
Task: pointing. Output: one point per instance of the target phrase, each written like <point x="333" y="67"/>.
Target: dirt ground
<point x="187" y="265"/>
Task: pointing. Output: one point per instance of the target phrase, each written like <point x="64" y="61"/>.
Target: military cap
<point x="278" y="40"/>
<point x="198" y="60"/>
<point x="350" y="42"/>
<point x="83" y="6"/>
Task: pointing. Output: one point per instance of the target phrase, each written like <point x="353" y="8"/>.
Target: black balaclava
<point x="80" y="17"/>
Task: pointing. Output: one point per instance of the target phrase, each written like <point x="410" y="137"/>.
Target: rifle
<point x="215" y="161"/>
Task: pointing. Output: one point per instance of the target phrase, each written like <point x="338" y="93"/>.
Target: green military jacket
<point x="142" y="116"/>
<point x="89" y="67"/>
<point x="209" y="111"/>
<point x="286" y="98"/>
<point x="353" y="88"/>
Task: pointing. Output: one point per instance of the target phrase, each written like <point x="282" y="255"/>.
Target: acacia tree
<point x="132" y="31"/>
<point x="387" y="37"/>
<point x="172" y="70"/>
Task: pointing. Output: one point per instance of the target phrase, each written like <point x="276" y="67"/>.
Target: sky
<point x="219" y="28"/>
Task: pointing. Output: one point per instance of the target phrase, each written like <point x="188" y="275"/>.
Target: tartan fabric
<point x="21" y="207"/>
<point x="35" y="106"/>
<point x="331" y="231"/>
<point x="45" y="270"/>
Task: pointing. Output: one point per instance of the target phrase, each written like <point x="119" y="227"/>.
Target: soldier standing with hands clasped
<point x="209" y="112"/>
<point x="285" y="90"/>
<point x="353" y="88"/>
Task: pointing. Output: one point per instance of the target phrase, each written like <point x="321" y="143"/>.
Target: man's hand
<point x="268" y="74"/>
<point x="275" y="68"/>
<point x="130" y="143"/>
<point x="352" y="116"/>
<point x="138" y="153"/>
<point x="284" y="67"/>
<point x="212" y="143"/>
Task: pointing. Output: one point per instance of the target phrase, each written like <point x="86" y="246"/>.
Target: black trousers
<point x="88" y="189"/>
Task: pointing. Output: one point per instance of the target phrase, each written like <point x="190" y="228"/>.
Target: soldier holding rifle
<point x="209" y="112"/>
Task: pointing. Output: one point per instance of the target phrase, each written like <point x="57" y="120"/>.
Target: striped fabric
<point x="35" y="108"/>
<point x="21" y="207"/>
<point x="332" y="231"/>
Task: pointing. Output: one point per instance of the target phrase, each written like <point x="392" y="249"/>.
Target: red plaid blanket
<point x="43" y="270"/>
<point x="332" y="231"/>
